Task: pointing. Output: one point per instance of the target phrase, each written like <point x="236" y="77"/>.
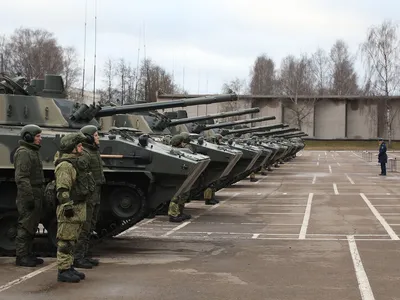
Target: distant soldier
<point x="177" y="204"/>
<point x="29" y="179"/>
<point x="74" y="185"/>
<point x="382" y="156"/>
<point x="92" y="153"/>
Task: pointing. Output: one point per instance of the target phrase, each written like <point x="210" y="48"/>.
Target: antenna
<point x="95" y="42"/>
<point x="84" y="53"/>
<point x="137" y="68"/>
<point x="183" y="79"/>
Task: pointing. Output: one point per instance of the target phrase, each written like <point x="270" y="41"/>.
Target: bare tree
<point x="262" y="76"/>
<point x="34" y="53"/>
<point x="4" y="55"/>
<point x="237" y="86"/>
<point x="122" y="72"/>
<point x="381" y="53"/>
<point x="154" y="78"/>
<point x="70" y="67"/>
<point x="296" y="78"/>
<point x="322" y="70"/>
<point x="109" y="73"/>
<point x="344" y="78"/>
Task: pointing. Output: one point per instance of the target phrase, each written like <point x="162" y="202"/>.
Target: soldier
<point x="177" y="204"/>
<point x="186" y="141"/>
<point x="382" y="157"/>
<point x="29" y="179"/>
<point x="74" y="185"/>
<point x="91" y="151"/>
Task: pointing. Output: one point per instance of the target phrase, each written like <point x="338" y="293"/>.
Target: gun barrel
<point x="275" y="132"/>
<point x="252" y="129"/>
<point x="291" y="134"/>
<point x="110" y="111"/>
<point x="226" y="124"/>
<point x="214" y="116"/>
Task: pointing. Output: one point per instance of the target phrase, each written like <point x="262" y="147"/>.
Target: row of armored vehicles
<point x="143" y="171"/>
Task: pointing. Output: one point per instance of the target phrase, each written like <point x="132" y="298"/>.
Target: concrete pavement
<point x="322" y="226"/>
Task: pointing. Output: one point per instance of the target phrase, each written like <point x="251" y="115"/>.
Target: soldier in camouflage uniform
<point x="74" y="185"/>
<point x="186" y="141"/>
<point x="177" y="204"/>
<point x="29" y="179"/>
<point x="91" y="151"/>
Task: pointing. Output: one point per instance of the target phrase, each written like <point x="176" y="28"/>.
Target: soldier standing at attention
<point x="74" y="185"/>
<point x="177" y="204"/>
<point x="92" y="153"/>
<point x="29" y="179"/>
<point x="382" y="157"/>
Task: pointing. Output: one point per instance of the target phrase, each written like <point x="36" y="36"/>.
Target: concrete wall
<point x="329" y="119"/>
<point x="268" y="108"/>
<point x="362" y="119"/>
<point x="325" y="119"/>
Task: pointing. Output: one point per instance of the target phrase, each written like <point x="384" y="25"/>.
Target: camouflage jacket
<point x="73" y="180"/>
<point x="28" y="169"/>
<point x="95" y="163"/>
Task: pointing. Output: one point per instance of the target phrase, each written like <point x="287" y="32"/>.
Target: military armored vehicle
<point x="141" y="173"/>
<point x="157" y="125"/>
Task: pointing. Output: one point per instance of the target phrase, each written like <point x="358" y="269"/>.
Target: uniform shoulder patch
<point x="24" y="168"/>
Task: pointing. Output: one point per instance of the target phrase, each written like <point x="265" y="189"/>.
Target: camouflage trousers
<point x="68" y="231"/>
<point x="208" y="194"/>
<point x="177" y="205"/>
<point x="28" y="221"/>
<point x="82" y="245"/>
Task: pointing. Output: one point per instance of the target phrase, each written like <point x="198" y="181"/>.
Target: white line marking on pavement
<point x="307" y="212"/>
<point x="338" y="164"/>
<point x="362" y="278"/>
<point x="317" y="163"/>
<point x="135" y="227"/>
<point x="385" y="225"/>
<point x="314" y="178"/>
<point x="348" y="177"/>
<point x="26" y="277"/>
<point x="335" y="189"/>
<point x="195" y="217"/>
<point x="330" y="169"/>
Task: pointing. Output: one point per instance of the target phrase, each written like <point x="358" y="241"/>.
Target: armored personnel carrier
<point x="140" y="172"/>
<point x="157" y="125"/>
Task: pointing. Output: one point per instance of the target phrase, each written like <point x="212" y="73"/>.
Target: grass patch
<point x="347" y="145"/>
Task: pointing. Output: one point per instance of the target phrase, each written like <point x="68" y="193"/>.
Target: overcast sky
<point x="213" y="41"/>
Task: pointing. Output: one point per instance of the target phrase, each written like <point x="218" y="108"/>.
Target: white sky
<point x="213" y="40"/>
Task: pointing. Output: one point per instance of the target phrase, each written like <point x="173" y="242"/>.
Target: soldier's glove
<point x="30" y="205"/>
<point x="68" y="212"/>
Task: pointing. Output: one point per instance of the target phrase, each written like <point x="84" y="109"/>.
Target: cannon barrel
<point x="252" y="129"/>
<point x="226" y="124"/>
<point x="110" y="111"/>
<point x="214" y="116"/>
<point x="291" y="135"/>
<point x="275" y="132"/>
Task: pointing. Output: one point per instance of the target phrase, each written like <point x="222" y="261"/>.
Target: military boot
<point x="177" y="219"/>
<point x="82" y="263"/>
<point x="25" y="261"/>
<point x="77" y="273"/>
<point x="185" y="216"/>
<point x="93" y="261"/>
<point x="211" y="202"/>
<point x="38" y="260"/>
<point x="67" y="276"/>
